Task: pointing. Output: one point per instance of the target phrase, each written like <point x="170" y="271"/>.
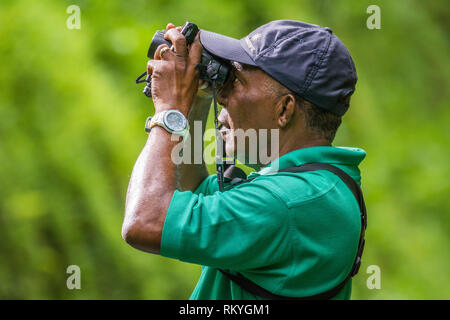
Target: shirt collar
<point x="346" y="156"/>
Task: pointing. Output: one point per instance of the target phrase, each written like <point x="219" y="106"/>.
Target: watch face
<point x="175" y="121"/>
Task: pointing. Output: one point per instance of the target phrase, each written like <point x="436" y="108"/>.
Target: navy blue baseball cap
<point x="306" y="58"/>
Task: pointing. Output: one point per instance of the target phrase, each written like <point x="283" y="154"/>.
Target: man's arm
<point x="153" y="181"/>
<point x="151" y="187"/>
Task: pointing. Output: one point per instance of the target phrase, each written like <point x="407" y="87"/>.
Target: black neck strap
<point x="219" y="142"/>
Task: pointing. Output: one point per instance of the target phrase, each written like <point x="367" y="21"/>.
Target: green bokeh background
<point x="71" y="128"/>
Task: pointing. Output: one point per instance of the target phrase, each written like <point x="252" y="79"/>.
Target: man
<point x="292" y="234"/>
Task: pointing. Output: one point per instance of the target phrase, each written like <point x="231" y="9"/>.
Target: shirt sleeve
<point x="208" y="186"/>
<point x="240" y="229"/>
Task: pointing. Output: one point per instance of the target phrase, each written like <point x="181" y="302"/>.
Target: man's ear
<point x="285" y="110"/>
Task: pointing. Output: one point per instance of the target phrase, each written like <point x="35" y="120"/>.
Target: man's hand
<point x="174" y="77"/>
<point x="191" y="174"/>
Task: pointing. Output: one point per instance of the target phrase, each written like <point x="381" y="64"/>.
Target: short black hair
<point x="319" y="120"/>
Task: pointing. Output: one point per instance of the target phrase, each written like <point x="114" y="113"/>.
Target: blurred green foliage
<point x="71" y="127"/>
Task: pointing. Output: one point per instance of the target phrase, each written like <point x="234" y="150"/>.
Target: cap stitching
<point x="290" y="35"/>
<point x="315" y="68"/>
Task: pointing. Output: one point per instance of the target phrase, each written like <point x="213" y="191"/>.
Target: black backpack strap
<point x="257" y="290"/>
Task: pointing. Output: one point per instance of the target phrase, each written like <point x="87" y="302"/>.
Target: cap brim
<point x="225" y="47"/>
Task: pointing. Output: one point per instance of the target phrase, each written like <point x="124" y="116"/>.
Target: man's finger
<point x="170" y="26"/>
<point x="152" y="65"/>
<point x="166" y="55"/>
<point x="195" y="52"/>
<point x="178" y="41"/>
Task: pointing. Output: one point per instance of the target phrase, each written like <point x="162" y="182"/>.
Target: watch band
<point x="158" y="120"/>
<point x="147" y="124"/>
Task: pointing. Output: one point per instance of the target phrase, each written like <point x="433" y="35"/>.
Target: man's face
<point x="248" y="107"/>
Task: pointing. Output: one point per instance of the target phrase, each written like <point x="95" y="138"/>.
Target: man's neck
<point x="306" y="144"/>
<point x="290" y="146"/>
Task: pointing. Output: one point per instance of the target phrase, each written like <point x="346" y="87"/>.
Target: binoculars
<point x="211" y="68"/>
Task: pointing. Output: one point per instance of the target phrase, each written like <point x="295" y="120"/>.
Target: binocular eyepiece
<point x="211" y="68"/>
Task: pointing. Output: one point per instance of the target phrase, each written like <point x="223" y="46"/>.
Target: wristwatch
<point x="172" y="120"/>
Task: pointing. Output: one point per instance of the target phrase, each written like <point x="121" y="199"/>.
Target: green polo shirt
<point x="295" y="234"/>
